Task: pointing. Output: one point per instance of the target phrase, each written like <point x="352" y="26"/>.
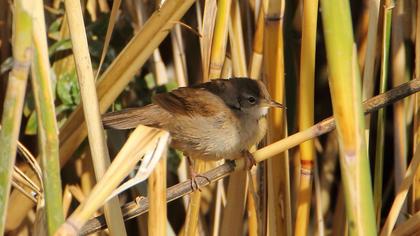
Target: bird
<point x="219" y="119"/>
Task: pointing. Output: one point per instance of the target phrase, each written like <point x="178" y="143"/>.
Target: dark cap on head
<point x="238" y="93"/>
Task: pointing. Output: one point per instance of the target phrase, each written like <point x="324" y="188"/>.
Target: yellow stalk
<point x="206" y="30"/>
<point x="121" y="71"/>
<point x="279" y="214"/>
<point x="252" y="212"/>
<point x="159" y="68"/>
<point x="111" y="23"/>
<point x="237" y="48"/>
<point x="306" y="114"/>
<point x="218" y="47"/>
<point x="235" y="204"/>
<point x="178" y="54"/>
<point x="257" y="48"/>
<point x="14" y="99"/>
<point x="192" y="218"/>
<point x="227" y="69"/>
<point x="98" y="147"/>
<point x="157" y="191"/>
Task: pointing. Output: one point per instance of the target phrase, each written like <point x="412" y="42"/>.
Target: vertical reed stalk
<point x="380" y="133"/>
<point x="236" y="40"/>
<point x="192" y="218"/>
<point x="206" y="31"/>
<point x="235" y="204"/>
<point x="91" y="110"/>
<point x="257" y="47"/>
<point x="348" y="111"/>
<point x="14" y="98"/>
<point x="157" y="192"/>
<point x="279" y="213"/>
<point x="178" y="53"/>
<point x="47" y="125"/>
<point x="306" y="114"/>
<point x="399" y="76"/>
<point x="237" y="188"/>
<point x="218" y="47"/>
<point x="368" y="73"/>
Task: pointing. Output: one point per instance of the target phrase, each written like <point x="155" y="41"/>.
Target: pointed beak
<point x="272" y="103"/>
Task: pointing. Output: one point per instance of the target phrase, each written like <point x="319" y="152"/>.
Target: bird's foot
<point x="194" y="182"/>
<point x="194" y="176"/>
<point x="249" y="160"/>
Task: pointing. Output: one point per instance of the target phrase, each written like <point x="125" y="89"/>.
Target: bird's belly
<point x="210" y="138"/>
<point x="214" y="138"/>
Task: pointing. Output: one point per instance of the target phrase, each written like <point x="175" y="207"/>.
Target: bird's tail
<point x="150" y="115"/>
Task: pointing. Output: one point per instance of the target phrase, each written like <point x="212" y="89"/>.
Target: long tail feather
<point x="150" y="115"/>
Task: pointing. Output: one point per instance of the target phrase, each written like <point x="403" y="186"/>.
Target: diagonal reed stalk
<point x="47" y="125"/>
<point x="14" y="98"/>
<point x="371" y="105"/>
<point x="401" y="194"/>
<point x="306" y="114"/>
<point x="97" y="143"/>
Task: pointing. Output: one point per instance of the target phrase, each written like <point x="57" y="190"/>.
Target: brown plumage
<point x="211" y="121"/>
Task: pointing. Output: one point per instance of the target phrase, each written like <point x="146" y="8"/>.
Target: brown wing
<point x="150" y="115"/>
<point x="190" y="101"/>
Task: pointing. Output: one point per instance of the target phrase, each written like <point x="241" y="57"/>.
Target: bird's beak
<point x="272" y="103"/>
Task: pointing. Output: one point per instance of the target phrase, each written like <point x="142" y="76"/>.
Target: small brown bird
<point x="220" y="119"/>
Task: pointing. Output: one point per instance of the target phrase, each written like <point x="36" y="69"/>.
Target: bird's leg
<point x="194" y="175"/>
<point x="249" y="159"/>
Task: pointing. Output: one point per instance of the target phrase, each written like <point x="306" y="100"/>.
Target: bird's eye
<point x="251" y="100"/>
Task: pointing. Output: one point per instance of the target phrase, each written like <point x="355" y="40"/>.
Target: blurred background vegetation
<point x="320" y="59"/>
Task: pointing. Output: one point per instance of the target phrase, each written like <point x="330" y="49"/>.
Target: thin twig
<point x="134" y="209"/>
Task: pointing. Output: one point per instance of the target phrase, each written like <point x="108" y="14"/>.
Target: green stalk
<point x="13" y="102"/>
<point x="47" y="125"/>
<point x="345" y="86"/>
<point x="380" y="133"/>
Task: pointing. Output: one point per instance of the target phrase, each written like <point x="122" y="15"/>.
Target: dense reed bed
<point x="342" y="159"/>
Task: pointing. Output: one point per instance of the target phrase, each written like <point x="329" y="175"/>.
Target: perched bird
<point x="220" y="119"/>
